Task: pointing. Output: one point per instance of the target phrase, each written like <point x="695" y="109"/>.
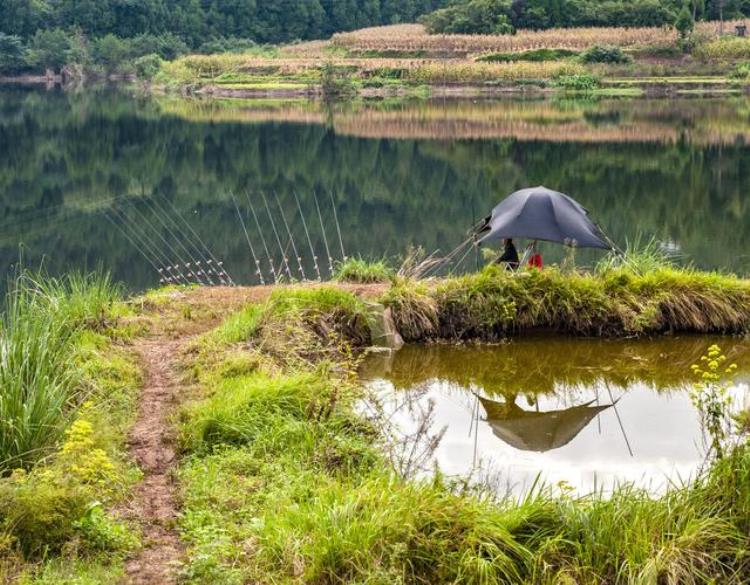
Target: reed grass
<point x="613" y="301"/>
<point x="40" y="387"/>
<point x="359" y="270"/>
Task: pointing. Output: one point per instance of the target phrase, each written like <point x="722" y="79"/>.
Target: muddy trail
<point x="151" y="445"/>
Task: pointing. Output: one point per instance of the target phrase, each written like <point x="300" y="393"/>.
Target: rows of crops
<point x="414" y="38"/>
<point x="231" y="67"/>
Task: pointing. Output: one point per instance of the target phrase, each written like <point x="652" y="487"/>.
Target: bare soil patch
<point x="151" y="445"/>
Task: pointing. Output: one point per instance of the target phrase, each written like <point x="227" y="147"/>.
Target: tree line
<point x="40" y="34"/>
<point x="506" y="16"/>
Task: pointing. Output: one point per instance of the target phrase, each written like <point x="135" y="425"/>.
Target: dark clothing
<point x="509" y="256"/>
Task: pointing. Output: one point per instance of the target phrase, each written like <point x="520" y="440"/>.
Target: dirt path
<point x="151" y="442"/>
<point x="151" y="445"/>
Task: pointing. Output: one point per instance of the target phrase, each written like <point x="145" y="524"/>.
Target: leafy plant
<point x="605" y="54"/>
<point x="580" y="82"/>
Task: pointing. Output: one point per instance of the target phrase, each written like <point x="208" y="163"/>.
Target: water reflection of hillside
<point x="664" y="121"/>
<point x="535" y="367"/>
<point x="70" y="160"/>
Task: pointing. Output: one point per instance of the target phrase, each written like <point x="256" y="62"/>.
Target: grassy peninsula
<point x="277" y="477"/>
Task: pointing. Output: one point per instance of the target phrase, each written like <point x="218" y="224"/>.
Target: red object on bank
<point x="535" y="261"/>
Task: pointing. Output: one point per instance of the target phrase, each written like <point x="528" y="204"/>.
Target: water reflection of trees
<point x="533" y="367"/>
<point x="63" y="157"/>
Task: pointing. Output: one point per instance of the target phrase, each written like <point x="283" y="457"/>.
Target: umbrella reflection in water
<point x="538" y="431"/>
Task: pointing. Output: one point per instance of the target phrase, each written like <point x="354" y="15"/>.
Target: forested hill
<point x="506" y="16"/>
<point x="198" y="21"/>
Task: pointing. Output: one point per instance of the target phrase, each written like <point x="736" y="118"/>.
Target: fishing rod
<point x="291" y="237"/>
<point x="286" y="250"/>
<point x="278" y="239"/>
<point x="172" y="249"/>
<point x="145" y="242"/>
<point x="338" y="228"/>
<point x="307" y="234"/>
<point x="160" y="212"/>
<point x="249" y="244"/>
<point x="323" y="230"/>
<point x="178" y="242"/>
<point x="263" y="239"/>
<point x="223" y="275"/>
<point x="135" y="245"/>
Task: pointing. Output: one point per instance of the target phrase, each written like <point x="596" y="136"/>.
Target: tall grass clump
<point x="39" y="387"/>
<point x="360" y="271"/>
<point x="310" y="322"/>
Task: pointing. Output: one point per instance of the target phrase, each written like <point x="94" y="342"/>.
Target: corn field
<point x="414" y="37"/>
<point x="211" y="67"/>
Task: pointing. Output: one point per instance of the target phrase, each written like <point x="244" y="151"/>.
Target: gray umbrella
<point x="539" y="213"/>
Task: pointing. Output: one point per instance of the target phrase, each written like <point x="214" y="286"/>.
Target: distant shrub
<point x="49" y="49"/>
<point x="12" y="59"/>
<point x="148" y="66"/>
<point x="741" y="70"/>
<point x="533" y="55"/>
<point x="473" y="17"/>
<point x="167" y="46"/>
<point x="335" y="82"/>
<point x="604" y="54"/>
<point x="227" y="45"/>
<point x="111" y="52"/>
<point x="582" y="82"/>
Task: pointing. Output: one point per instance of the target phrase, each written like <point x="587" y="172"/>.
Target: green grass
<point x="362" y="271"/>
<point x="39" y="383"/>
<point x="283" y="482"/>
<point x="67" y="398"/>
<point x="614" y="301"/>
<point x="532" y="55"/>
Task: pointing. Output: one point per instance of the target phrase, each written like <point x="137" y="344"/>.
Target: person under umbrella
<point x="509" y="257"/>
<point x="541" y="214"/>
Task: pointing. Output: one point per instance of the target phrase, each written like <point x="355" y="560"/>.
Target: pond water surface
<point x="135" y="182"/>
<point x="589" y="414"/>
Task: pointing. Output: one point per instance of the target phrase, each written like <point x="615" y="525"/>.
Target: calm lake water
<point x="138" y="183"/>
<point x="587" y="413"/>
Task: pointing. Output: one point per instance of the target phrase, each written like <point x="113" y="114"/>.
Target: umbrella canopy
<point x="539" y="213"/>
<point x="538" y="431"/>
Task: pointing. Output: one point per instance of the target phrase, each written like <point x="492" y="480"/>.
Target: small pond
<point x="584" y="414"/>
